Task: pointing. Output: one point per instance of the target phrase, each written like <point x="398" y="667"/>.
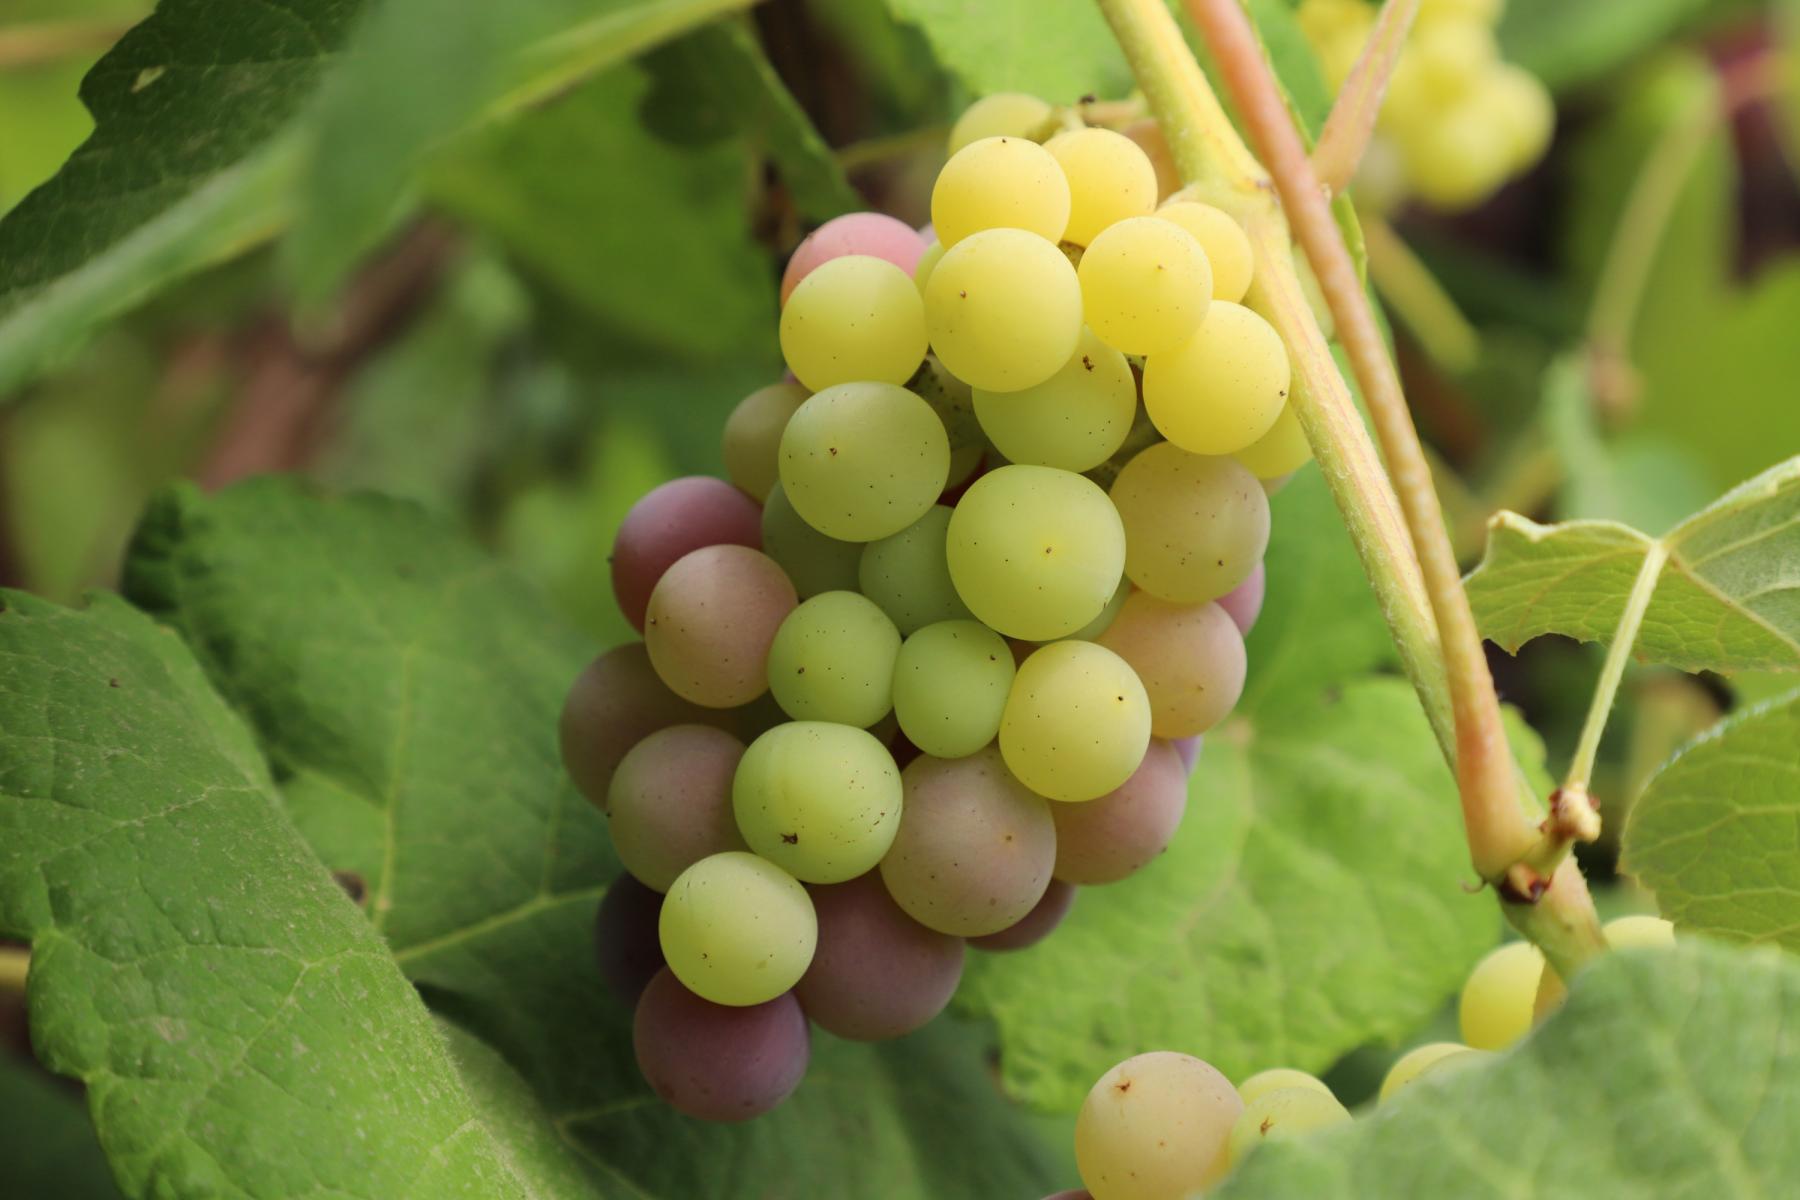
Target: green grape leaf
<point x="1713" y="832"/>
<point x="1313" y="899"/>
<point x="1727" y="599"/>
<point x="241" y="1029"/>
<point x="1060" y="50"/>
<point x="47" y="1142"/>
<point x="1568" y="44"/>
<point x="1668" y="1073"/>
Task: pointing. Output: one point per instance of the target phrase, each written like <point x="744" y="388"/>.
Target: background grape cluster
<point x="944" y="646"/>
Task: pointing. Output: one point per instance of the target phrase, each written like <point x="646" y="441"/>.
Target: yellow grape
<point x="1145" y="285"/>
<point x="1003" y="114"/>
<point x="1281" y="451"/>
<point x="1077" y="722"/>
<point x="1281" y="1114"/>
<point x="1522" y="112"/>
<point x="1453" y="58"/>
<point x="1195" y="526"/>
<point x="1003" y="309"/>
<point x="737" y="929"/>
<point x="1277" y="1078"/>
<point x="1486" y="12"/>
<point x="1455" y="160"/>
<point x="1495" y="1008"/>
<point x="1155" y="1127"/>
<point x="1110" y="178"/>
<point x="1622" y="933"/>
<point x="1414" y="1063"/>
<point x="1000" y="183"/>
<point x="1226" y="244"/>
<point x="1149" y="137"/>
<point x="928" y="262"/>
<point x="1075" y="420"/>
<point x="1222" y="389"/>
<point x="855" y="319"/>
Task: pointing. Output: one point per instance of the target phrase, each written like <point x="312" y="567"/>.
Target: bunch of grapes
<point x="944" y="646"/>
<point x="1166" y="1126"/>
<point x="1458" y="121"/>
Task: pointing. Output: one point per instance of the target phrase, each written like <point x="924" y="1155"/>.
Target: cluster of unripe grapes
<point x="943" y="647"/>
<point x="1458" y="120"/>
<point x="1167" y="1126"/>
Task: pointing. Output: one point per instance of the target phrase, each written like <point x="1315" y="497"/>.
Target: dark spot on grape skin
<point x="1267" y="1124"/>
<point x="791" y="839"/>
<point x="1122" y="1087"/>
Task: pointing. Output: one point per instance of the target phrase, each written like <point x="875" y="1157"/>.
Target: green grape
<point x="928" y="262"/>
<point x="1093" y="629"/>
<point x="820" y="801"/>
<point x="1226" y="244"/>
<point x="1281" y="451"/>
<point x="860" y="461"/>
<point x="1145" y="285"/>
<point x="954" y="403"/>
<point x="1156" y="1127"/>
<point x="737" y="929"/>
<point x="1281" y="1114"/>
<point x="908" y="574"/>
<point x="1003" y="114"/>
<point x="752" y="442"/>
<point x="1074" y="420"/>
<point x="1221" y="389"/>
<point x="1414" y="1063"/>
<point x="853" y="319"/>
<point x="950" y="687"/>
<point x="1077" y="722"/>
<point x="1455" y="160"/>
<point x="1622" y="933"/>
<point x="1003" y="309"/>
<point x="815" y="563"/>
<point x="1495" y="1009"/>
<point x="1110" y="179"/>
<point x="1195" y="527"/>
<point x="1000" y="183"/>
<point x="1522" y="111"/>
<point x="833" y="660"/>
<point x="1264" y="1082"/>
<point x="1035" y="552"/>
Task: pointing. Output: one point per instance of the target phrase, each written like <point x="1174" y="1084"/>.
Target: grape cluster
<point x="1458" y="121"/>
<point x="944" y="646"/>
<point x="1165" y="1126"/>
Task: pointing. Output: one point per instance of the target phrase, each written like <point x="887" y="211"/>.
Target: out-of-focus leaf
<point x="47" y="1142"/>
<point x="1060" y="50"/>
<point x="1567" y="44"/>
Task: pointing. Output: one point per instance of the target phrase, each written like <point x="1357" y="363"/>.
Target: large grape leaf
<point x="1716" y="832"/>
<point x="1313" y="899"/>
<point x="1671" y="1074"/>
<point x="46" y="1141"/>
<point x="1058" y="49"/>
<point x="1727" y="599"/>
<point x="241" y="1029"/>
<point x="407" y="688"/>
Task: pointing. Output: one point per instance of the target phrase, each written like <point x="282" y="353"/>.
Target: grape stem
<point x="1352" y="120"/>
<point x="1581" y="768"/>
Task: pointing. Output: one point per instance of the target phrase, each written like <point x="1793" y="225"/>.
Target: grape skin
<point x="626" y="949"/>
<point x="1621" y="933"/>
<point x="615" y="703"/>
<point x="1275" y="1078"/>
<point x="1000" y="183"/>
<point x="872" y="234"/>
<point x="1075" y="420"/>
<point x="1110" y="180"/>
<point x="1414" y="1063"/>
<point x="1003" y="309"/>
<point x="813" y="562"/>
<point x="1035" y="925"/>
<point x="1077" y="723"/>
<point x="951" y="681"/>
<point x="820" y="801"/>
<point x="861" y="461"/>
<point x="716" y="1062"/>
<point x="1195" y="527"/>
<point x="751" y="444"/>
<point x="852" y="320"/>
<point x="1111" y="838"/>
<point x="833" y="660"/>
<point x="1146" y="285"/>
<point x="1154" y="1127"/>
<point x="878" y="973"/>
<point x="1002" y="114"/>
<point x="1227" y="246"/>
<point x="670" y="802"/>
<point x="711" y="620"/>
<point x="1494" y="1010"/>
<point x="908" y="574"/>
<point x="1279" y="452"/>
<point x="736" y="929"/>
<point x="1149" y="137"/>
<point x="1281" y="1114"/>
<point x="670" y="521"/>
<point x="1223" y="388"/>
<point x="1190" y="658"/>
<point x="1243" y="603"/>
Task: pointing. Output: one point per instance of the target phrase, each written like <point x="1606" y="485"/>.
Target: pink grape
<point x="1244" y="602"/>
<point x="615" y="703"/>
<point x="711" y="621"/>
<point x="1035" y="925"/>
<point x="672" y="520"/>
<point x="1106" y="840"/>
<point x="877" y="973"/>
<point x="715" y="1062"/>
<point x="670" y="802"/>
<point x="1072" y="1194"/>
<point x="871" y="233"/>
<point x="1189" y="749"/>
<point x="1190" y="658"/>
<point x="626" y="946"/>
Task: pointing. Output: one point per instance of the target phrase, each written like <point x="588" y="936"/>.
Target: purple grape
<point x="1072" y="1194"/>
<point x="1244" y="602"/>
<point x="670" y="802"/>
<point x="877" y="973"/>
<point x="1037" y="924"/>
<point x="626" y="947"/>
<point x="714" y="1062"/>
<point x="670" y="521"/>
<point x="615" y="703"/>
<point x="1106" y="840"/>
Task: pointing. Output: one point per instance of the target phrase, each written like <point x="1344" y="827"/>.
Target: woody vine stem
<point x="1392" y="515"/>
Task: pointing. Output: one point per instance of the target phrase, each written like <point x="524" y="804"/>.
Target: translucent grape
<point x="950" y="687"/>
<point x="737" y="929"/>
<point x="1110" y="179"/>
<point x="873" y="234"/>
<point x="1003" y="308"/>
<point x="710" y="622"/>
<point x="1281" y="451"/>
<point x="1075" y="420"/>
<point x="908" y="574"/>
<point x="1622" y="933"/>
<point x="1000" y="183"/>
<point x="1093" y="629"/>
<point x="626" y="949"/>
<point x="928" y="262"/>
<point x="1077" y="722"/>
<point x="716" y="1062"/>
<point x="1226" y="244"/>
<point x="1195" y="527"/>
<point x="1106" y="840"/>
<point x="975" y="847"/>
<point x="615" y="703"/>
<point x="1035" y="552"/>
<point x="1035" y="925"/>
<point x="1190" y="658"/>
<point x="820" y="801"/>
<point x="1155" y="1127"/>
<point x="1495" y="1009"/>
<point x="1003" y="114"/>
<point x="813" y="562"/>
<point x="669" y="521"/>
<point x="1414" y="1063"/>
<point x="1281" y="1114"/>
<point x="1149" y="137"/>
<point x="1145" y="285"/>
<point x="878" y="973"/>
<point x="861" y="461"/>
<point x="854" y="319"/>
<point x="1275" y="1078"/>
<point x="1223" y="388"/>
<point x="833" y="660"/>
<point x="670" y="803"/>
<point x="752" y="441"/>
